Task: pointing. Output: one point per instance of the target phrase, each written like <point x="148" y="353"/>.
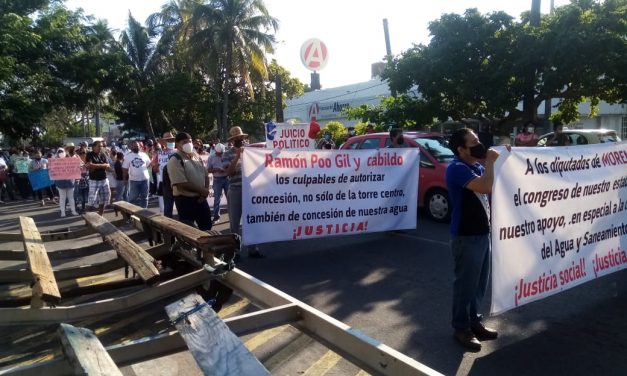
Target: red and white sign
<point x="314" y="110"/>
<point x="64" y="168"/>
<point x="314" y="55"/>
<point x="559" y="219"/>
<point x="292" y="136"/>
<point x="306" y="194"/>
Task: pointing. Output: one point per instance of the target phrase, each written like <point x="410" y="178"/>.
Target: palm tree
<point x="141" y="53"/>
<point x="234" y="36"/>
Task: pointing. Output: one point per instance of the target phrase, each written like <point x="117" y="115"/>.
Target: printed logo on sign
<point x="313" y="54"/>
<point x="270" y="130"/>
<point x="314" y="110"/>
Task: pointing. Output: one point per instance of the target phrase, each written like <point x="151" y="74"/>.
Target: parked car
<point x="434" y="158"/>
<point x="584" y="136"/>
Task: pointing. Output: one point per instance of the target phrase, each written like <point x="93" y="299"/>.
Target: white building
<point x="327" y="105"/>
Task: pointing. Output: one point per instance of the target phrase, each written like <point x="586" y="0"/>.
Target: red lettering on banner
<point x="609" y="260"/>
<point x="329" y="229"/>
<point x="279" y="162"/>
<point x="545" y="283"/>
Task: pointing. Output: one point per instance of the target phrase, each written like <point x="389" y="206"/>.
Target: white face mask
<point x="188" y="147"/>
<point x="61" y="155"/>
<point x="170" y="145"/>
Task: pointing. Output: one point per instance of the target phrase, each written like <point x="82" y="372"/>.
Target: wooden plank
<point x="64" y="254"/>
<point x="133" y="254"/>
<point x="187" y="233"/>
<point x="45" y="286"/>
<point x="59" y="314"/>
<point x="85" y="352"/>
<point x="216" y="349"/>
<point x="48" y="236"/>
<point x="23" y="275"/>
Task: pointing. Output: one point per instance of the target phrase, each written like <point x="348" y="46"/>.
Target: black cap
<point x="182" y="136"/>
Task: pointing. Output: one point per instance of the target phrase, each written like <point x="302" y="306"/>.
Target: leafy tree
<point x="234" y="35"/>
<point x="337" y="130"/>
<point x="482" y="66"/>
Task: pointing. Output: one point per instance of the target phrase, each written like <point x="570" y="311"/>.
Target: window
<point x="623" y="132"/>
<point x="371" y="143"/>
<point x="354" y="145"/>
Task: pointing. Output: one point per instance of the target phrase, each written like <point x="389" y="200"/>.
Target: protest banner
<point x="21" y="165"/>
<point x="64" y="168"/>
<point x="162" y="158"/>
<point x="290" y="195"/>
<point x="290" y="136"/>
<point x="559" y="219"/>
<point x="39" y="179"/>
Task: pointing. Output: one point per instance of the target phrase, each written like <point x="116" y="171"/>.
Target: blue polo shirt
<point x="470" y="214"/>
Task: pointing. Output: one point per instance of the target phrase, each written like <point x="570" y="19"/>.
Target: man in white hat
<point x="233" y="166"/>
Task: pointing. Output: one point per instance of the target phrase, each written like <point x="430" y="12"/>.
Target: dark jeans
<point x="23" y="186"/>
<point x="168" y="202"/>
<point x="471" y="256"/>
<point x="191" y="210"/>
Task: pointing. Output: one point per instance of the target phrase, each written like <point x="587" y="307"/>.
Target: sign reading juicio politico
<point x="559" y="219"/>
<point x="290" y="195"/>
<point x="290" y="136"/>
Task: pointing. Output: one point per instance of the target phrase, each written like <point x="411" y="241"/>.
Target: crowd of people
<point x="134" y="173"/>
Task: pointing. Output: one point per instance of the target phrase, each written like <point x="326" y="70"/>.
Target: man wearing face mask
<point x="232" y="160"/>
<point x="469" y="184"/>
<point x="396" y="136"/>
<point x="168" y="148"/>
<point x="136" y="168"/>
<point x="190" y="183"/>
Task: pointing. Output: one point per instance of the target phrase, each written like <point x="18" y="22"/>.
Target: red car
<point x="434" y="158"/>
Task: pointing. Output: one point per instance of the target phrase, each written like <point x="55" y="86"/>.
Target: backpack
<point x="166" y="177"/>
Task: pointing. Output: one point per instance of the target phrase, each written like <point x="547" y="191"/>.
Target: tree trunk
<point x="149" y="128"/>
<point x="225" y="94"/>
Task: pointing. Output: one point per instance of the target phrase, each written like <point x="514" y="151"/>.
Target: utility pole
<point x="279" y="99"/>
<point x="388" y="46"/>
<point x="547" y="102"/>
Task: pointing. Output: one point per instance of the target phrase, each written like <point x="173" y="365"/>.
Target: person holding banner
<point x="469" y="184"/>
<point x="168" y="148"/>
<point x="233" y="166"/>
<point x="215" y="166"/>
<point x="66" y="190"/>
<point x="38" y="163"/>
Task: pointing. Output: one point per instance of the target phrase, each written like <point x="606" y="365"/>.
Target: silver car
<point x="584" y="136"/>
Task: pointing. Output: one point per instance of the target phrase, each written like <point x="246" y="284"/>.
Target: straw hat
<point x="236" y="132"/>
<point x="167" y="136"/>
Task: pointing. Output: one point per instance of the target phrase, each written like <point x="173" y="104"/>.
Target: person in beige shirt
<point x="190" y="184"/>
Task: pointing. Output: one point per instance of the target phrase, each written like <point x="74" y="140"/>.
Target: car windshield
<point x="608" y="137"/>
<point x="437" y="148"/>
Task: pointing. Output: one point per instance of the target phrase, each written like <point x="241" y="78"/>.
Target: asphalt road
<point x="396" y="287"/>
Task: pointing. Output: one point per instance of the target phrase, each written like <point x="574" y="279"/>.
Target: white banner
<point x="290" y="136"/>
<point x="559" y="219"/>
<point x="290" y="195"/>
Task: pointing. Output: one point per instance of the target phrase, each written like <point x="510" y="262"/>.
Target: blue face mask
<point x="327" y="137"/>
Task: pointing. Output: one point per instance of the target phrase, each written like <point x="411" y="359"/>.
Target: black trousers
<point x="192" y="210"/>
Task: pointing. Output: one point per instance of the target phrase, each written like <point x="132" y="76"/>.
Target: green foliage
<point x="403" y="111"/>
<point x="337" y="130"/>
<point x="482" y="66"/>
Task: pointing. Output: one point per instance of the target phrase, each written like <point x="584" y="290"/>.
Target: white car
<point x="584" y="136"/>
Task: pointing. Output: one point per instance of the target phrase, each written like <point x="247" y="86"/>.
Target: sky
<point x="351" y="29"/>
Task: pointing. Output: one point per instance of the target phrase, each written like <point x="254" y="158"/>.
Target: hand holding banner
<point x="39" y="179"/>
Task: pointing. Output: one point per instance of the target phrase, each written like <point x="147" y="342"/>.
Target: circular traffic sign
<point x="313" y="54"/>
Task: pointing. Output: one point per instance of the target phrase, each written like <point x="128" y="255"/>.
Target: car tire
<point x="438" y="205"/>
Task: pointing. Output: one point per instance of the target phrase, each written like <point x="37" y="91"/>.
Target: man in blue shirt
<point x="469" y="184"/>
